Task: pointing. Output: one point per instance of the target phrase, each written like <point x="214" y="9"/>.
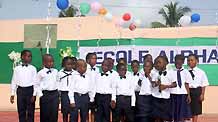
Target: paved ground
<point x="12" y="117"/>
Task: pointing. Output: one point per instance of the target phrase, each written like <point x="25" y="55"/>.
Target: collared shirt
<point x="200" y="78"/>
<point x="136" y="78"/>
<point x="185" y="78"/>
<point x="104" y="84"/>
<point x="64" y="78"/>
<point x="82" y="84"/>
<point x="125" y="86"/>
<point x="47" y="80"/>
<point x="23" y="76"/>
<point x="165" y="80"/>
<point x="146" y="87"/>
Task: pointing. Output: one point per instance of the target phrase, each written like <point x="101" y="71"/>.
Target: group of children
<point x="155" y="93"/>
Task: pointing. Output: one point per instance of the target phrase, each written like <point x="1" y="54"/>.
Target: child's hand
<point x="12" y="99"/>
<point x="162" y="87"/>
<point x="201" y="97"/>
<point x="188" y="99"/>
<point x="72" y="105"/>
<point x="33" y="99"/>
<point x="113" y="104"/>
<point x="158" y="82"/>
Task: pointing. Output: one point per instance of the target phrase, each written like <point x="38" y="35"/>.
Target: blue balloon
<point x="62" y="4"/>
<point x="195" y="17"/>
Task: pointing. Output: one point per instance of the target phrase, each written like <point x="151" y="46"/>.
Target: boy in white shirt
<point x="81" y="92"/>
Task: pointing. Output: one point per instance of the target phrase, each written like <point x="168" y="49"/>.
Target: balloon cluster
<point x="186" y="20"/>
<point x="96" y="7"/>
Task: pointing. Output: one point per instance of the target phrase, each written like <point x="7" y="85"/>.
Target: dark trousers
<point x="25" y="108"/>
<point x="49" y="106"/>
<point x="144" y="108"/>
<point x="103" y="107"/>
<point x="82" y="104"/>
<point x="123" y="105"/>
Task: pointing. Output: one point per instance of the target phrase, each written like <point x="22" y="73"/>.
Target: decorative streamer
<point x="48" y="28"/>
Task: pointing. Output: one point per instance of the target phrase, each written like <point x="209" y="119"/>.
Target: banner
<point x="206" y="54"/>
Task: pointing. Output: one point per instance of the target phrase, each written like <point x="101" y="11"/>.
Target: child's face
<point x="93" y="60"/>
<point x="81" y="67"/>
<point x="147" y="68"/>
<point x="68" y="65"/>
<point x="74" y="64"/>
<point x="160" y="64"/>
<point x="111" y="64"/>
<point x="192" y="61"/>
<point x="48" y="62"/>
<point x="27" y="57"/>
<point x="135" y="67"/>
<point x="122" y="71"/>
<point x="148" y="59"/>
<point x="104" y="66"/>
<point x="179" y="63"/>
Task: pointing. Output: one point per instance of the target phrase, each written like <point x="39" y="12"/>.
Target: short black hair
<point x="89" y="55"/>
<point x="179" y="57"/>
<point x="46" y="55"/>
<point x="24" y="52"/>
<point x="195" y="56"/>
<point x="119" y="65"/>
<point x="146" y="56"/>
<point x="135" y="61"/>
<point x="120" y="59"/>
<point x="163" y="57"/>
<point x="68" y="58"/>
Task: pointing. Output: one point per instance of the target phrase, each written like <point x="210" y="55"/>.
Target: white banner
<point x="207" y="54"/>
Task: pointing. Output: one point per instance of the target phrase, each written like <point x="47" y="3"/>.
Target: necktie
<point x="49" y="71"/>
<point x="66" y="75"/>
<point x="163" y="72"/>
<point x="124" y="77"/>
<point x="82" y="75"/>
<point x="93" y="69"/>
<point x="179" y="80"/>
<point x="26" y="65"/>
<point x="136" y="74"/>
<point x="102" y="74"/>
<point x="192" y="74"/>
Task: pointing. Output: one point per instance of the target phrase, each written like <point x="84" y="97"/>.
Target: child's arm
<point x="203" y="85"/>
<point x="163" y="87"/>
<point x="188" y="93"/>
<point x="71" y="94"/>
<point x="13" y="86"/>
<point x="202" y="93"/>
<point x="133" y="98"/>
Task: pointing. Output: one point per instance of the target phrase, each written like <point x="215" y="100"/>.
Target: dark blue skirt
<point x="181" y="110"/>
<point x="65" y="102"/>
<point x="161" y="108"/>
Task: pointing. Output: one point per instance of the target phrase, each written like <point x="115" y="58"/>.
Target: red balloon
<point x="132" y="27"/>
<point x="126" y="17"/>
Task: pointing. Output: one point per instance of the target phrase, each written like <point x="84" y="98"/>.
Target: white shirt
<point x="23" y="76"/>
<point x="104" y="84"/>
<point x="185" y="78"/>
<point x="136" y="78"/>
<point x="146" y="86"/>
<point x="47" y="80"/>
<point x="200" y="79"/>
<point x="126" y="86"/>
<point x="82" y="85"/>
<point x="154" y="74"/>
<point x="165" y="80"/>
<point x="64" y="79"/>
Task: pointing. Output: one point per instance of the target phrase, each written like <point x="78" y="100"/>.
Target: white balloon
<point x="138" y="22"/>
<point x="185" y="20"/>
<point x="108" y="16"/>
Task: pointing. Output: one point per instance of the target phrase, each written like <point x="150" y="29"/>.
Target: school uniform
<point x="64" y="78"/>
<point x="81" y="92"/>
<point x="136" y="79"/>
<point x="48" y="93"/>
<point x="125" y="98"/>
<point x="145" y="98"/>
<point x="161" y="99"/>
<point x="92" y="71"/>
<point x="199" y="79"/>
<point x="180" y="108"/>
<point x="105" y="90"/>
<point x="23" y="83"/>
